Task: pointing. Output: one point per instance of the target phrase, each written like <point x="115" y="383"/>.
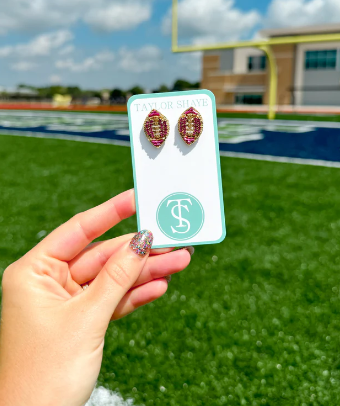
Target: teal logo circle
<point x="180" y="216"/>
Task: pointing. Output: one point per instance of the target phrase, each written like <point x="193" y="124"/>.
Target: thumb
<point x="116" y="277"/>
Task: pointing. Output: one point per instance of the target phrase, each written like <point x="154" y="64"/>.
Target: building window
<point x="249" y="99"/>
<point x="256" y="63"/>
<point x="321" y="59"/>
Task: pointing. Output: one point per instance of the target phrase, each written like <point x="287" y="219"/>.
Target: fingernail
<point x="190" y="249"/>
<point x="167" y="278"/>
<point x="141" y="243"/>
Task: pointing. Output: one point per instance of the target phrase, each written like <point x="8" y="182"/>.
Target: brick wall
<point x="222" y="84"/>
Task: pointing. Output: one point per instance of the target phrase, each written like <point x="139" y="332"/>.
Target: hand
<point x="52" y="331"/>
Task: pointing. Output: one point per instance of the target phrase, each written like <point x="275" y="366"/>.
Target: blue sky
<point x="121" y="43"/>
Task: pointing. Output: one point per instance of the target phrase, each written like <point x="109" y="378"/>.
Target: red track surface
<point x="48" y="106"/>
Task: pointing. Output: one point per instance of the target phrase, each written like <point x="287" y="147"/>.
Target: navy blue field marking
<point x="319" y="143"/>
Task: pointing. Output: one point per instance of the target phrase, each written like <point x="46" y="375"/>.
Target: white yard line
<point x="274" y="123"/>
<point x="281" y="159"/>
<point x="241" y="138"/>
<point x="79" y="138"/>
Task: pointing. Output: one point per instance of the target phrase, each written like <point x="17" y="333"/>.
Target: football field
<point x="309" y="142"/>
<point x="254" y="320"/>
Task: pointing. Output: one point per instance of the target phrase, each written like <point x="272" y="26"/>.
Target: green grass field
<point x="253" y="321"/>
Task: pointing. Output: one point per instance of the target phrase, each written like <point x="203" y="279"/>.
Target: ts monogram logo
<point x="179" y="206"/>
<point x="180" y="216"/>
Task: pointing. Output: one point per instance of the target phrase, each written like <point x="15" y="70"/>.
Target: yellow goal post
<point x="263" y="44"/>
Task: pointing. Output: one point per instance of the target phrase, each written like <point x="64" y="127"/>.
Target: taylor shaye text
<point x="169" y="105"/>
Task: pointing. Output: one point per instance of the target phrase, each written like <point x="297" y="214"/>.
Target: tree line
<point x="115" y="95"/>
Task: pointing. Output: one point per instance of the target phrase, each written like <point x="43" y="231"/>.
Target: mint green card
<point x="178" y="185"/>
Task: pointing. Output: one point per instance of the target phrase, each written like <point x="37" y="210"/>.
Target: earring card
<point x="178" y="187"/>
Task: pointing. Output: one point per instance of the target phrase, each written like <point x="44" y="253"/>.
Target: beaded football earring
<point x="156" y="128"/>
<point x="190" y="125"/>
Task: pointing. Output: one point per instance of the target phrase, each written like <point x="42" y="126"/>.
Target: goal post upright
<point x="263" y="44"/>
<point x="175" y="26"/>
<point x="273" y="78"/>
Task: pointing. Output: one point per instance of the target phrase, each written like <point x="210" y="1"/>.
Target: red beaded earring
<point x="156" y="128"/>
<point x="190" y="125"/>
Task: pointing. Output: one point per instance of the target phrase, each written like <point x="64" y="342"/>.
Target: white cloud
<point x="210" y="21"/>
<point x="23" y="66"/>
<point x="105" y="56"/>
<point x="6" y="51"/>
<point x="40" y="15"/>
<point x="36" y="15"/>
<point x="120" y="15"/>
<point x="92" y="63"/>
<point x="45" y="43"/>
<point x="67" y="50"/>
<point x="287" y="13"/>
<point x="83" y="66"/>
<point x="55" y="79"/>
<point x="145" y="59"/>
<point x="42" y="45"/>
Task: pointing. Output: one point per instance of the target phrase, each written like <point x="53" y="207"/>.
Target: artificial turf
<point x="253" y="321"/>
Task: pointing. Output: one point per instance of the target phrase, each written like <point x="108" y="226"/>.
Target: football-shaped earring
<point x="190" y="125"/>
<point x="156" y="128"/>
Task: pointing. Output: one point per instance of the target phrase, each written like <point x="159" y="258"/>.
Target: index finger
<point x="66" y="241"/>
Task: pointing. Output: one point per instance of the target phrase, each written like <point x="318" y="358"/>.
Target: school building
<point x="308" y="74"/>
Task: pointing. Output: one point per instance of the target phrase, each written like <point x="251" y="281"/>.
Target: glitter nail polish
<point x="190" y="249"/>
<point x="141" y="243"/>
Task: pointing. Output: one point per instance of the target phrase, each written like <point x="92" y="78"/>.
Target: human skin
<point x="52" y="331"/>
